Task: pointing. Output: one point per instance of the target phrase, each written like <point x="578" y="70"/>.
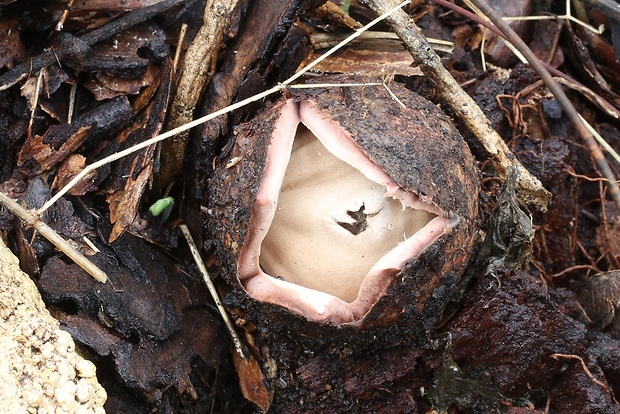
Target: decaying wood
<point x="151" y="321"/>
<point x="530" y="189"/>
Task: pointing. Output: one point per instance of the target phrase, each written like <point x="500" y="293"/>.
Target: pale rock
<point x="38" y="363"/>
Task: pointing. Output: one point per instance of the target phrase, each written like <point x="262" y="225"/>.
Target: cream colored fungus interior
<point x="332" y="224"/>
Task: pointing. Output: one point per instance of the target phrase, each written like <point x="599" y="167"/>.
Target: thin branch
<point x="34" y="221"/>
<point x="556" y="90"/>
<point x="529" y="188"/>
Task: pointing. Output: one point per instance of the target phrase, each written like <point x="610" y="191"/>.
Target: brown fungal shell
<point x="342" y="206"/>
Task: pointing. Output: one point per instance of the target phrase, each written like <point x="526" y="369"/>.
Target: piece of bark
<point x="125" y="54"/>
<point x="133" y="174"/>
<point x="368" y="58"/>
<point x="43" y="153"/>
<point x="68" y="169"/>
<point x="40" y="154"/>
<point x="151" y="319"/>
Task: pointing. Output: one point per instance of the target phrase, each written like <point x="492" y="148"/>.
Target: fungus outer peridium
<point x="301" y="250"/>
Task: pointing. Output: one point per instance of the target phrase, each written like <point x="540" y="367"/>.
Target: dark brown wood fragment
<point x="125" y="55"/>
<point x="150" y="364"/>
<point x="152" y="320"/>
<point x="43" y="153"/>
<point x="89" y="331"/>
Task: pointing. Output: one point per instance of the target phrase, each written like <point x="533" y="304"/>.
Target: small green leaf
<point x="345" y="6"/>
<point x="162" y="205"/>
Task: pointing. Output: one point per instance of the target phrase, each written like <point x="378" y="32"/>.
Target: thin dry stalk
<point x="529" y="188"/>
<point x="216" y="297"/>
<point x="33" y="220"/>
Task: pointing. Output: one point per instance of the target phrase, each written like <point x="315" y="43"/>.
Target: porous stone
<point x="40" y="372"/>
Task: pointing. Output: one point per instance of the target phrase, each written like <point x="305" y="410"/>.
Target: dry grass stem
<point x="177" y="52"/>
<point x="212" y="290"/>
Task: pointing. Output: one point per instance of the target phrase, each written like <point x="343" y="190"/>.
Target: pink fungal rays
<point x="337" y="196"/>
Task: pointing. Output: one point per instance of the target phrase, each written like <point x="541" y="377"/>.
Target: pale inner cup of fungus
<point x="329" y="229"/>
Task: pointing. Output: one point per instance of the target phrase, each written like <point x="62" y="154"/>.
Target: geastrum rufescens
<point x="339" y="204"/>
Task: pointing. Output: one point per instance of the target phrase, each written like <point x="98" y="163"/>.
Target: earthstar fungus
<point x="344" y="207"/>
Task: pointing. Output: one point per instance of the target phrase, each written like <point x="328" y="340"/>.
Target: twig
<point x="34" y="221"/>
<point x="63" y="16"/>
<point x="35" y="103"/>
<point x="556" y="90"/>
<point x="216" y="298"/>
<point x="194" y="75"/>
<point x="529" y="187"/>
